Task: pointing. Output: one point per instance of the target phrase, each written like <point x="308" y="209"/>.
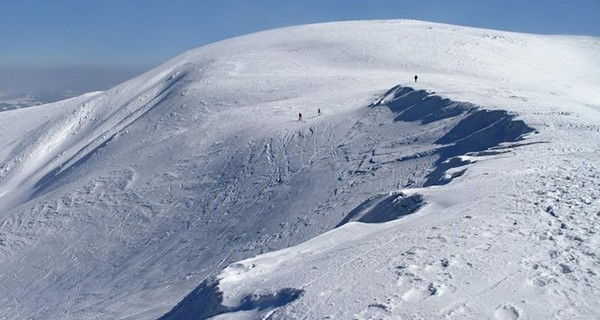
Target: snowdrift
<point x="472" y="193"/>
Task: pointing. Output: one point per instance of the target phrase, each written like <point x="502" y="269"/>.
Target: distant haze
<point x="28" y="85"/>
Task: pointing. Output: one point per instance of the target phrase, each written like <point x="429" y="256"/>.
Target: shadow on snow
<point x="477" y="132"/>
<point x="211" y="302"/>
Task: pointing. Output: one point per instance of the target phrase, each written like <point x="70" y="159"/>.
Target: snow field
<point x="118" y="204"/>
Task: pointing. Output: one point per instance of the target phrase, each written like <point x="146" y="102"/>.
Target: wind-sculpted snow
<point x="241" y="196"/>
<point x="374" y="149"/>
<point x="117" y="204"/>
<point x="478" y="130"/>
<point x="212" y="299"/>
<point x="389" y="208"/>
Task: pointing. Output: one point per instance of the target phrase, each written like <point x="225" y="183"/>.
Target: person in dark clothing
<point x="416" y="78"/>
<point x="319" y="111"/>
<point x="299" y="116"/>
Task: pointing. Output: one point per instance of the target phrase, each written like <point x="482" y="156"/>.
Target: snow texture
<point x="192" y="191"/>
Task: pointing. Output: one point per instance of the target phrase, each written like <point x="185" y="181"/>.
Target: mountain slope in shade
<point x="471" y="193"/>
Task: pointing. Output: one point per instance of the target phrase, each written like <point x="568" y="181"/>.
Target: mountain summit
<point x="195" y="191"/>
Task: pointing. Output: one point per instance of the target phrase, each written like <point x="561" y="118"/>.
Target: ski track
<point x="195" y="180"/>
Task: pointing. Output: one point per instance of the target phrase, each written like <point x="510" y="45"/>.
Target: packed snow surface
<point x="193" y="191"/>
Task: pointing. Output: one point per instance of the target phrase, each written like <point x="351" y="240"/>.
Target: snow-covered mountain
<point x="193" y="191"/>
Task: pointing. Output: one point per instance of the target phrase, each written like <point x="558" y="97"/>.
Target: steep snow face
<point x="118" y="204"/>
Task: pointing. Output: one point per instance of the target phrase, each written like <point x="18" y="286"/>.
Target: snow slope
<point x="470" y="194"/>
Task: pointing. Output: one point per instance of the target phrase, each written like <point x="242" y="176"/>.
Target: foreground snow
<point x="524" y="248"/>
<point x="118" y="204"/>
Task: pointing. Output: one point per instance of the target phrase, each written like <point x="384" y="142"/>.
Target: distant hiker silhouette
<point x="299" y="116"/>
<point x="319" y="111"/>
<point x="416" y="78"/>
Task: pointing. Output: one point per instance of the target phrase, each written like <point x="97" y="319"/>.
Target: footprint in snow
<point x="422" y="293"/>
<point x="541" y="281"/>
<point x="374" y="311"/>
<point x="507" y="312"/>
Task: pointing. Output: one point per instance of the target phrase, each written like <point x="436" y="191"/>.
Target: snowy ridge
<point x="118" y="204"/>
<point x="450" y="131"/>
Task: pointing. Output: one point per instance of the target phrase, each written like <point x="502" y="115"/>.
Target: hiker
<point x="299" y="116"/>
<point x="319" y="111"/>
<point x="416" y="78"/>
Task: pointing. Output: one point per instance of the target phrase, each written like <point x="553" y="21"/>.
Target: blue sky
<point x="147" y="32"/>
<point x="75" y="37"/>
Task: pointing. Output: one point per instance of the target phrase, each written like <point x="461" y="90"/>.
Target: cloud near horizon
<point x="62" y="80"/>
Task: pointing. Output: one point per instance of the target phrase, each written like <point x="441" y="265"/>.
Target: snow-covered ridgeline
<point x="126" y="200"/>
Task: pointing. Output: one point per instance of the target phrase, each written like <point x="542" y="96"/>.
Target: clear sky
<point x="139" y="34"/>
<point x="147" y="32"/>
